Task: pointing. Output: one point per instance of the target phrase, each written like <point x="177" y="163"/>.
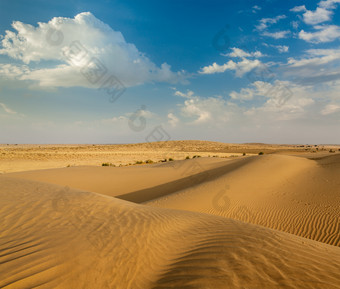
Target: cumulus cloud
<point x="318" y="16"/>
<point x="329" y="4"/>
<point x="325" y="33"/>
<point x="201" y="110"/>
<point x="172" y="119"/>
<point x="86" y="50"/>
<point x="237" y="52"/>
<point x="298" y="8"/>
<point x="188" y="94"/>
<point x="13" y="71"/>
<point x="316" y="66"/>
<point x="281" y="48"/>
<point x="244" y="94"/>
<point x="240" y="68"/>
<point x="277" y="101"/>
<point x="276" y="35"/>
<point x="317" y="57"/>
<point x="282" y="100"/>
<point x="322" y="13"/>
<point x="278" y="92"/>
<point x="264" y="23"/>
<point x="330" y="109"/>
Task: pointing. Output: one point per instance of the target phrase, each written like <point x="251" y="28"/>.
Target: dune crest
<point x="86" y="240"/>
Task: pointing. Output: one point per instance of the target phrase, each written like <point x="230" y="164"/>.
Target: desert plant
<point x="139" y="162"/>
<point x="261" y="153"/>
<point x="108" y="165"/>
<point x="244" y="154"/>
<point x="187" y="158"/>
<point x="171" y="159"/>
<point x="149" y="161"/>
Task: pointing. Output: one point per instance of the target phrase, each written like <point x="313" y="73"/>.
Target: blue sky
<point x="232" y="71"/>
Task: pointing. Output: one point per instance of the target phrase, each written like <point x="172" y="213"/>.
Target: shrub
<point x="244" y="154"/>
<point x="164" y="161"/>
<point x="108" y="165"/>
<point x="261" y="153"/>
<point x="149" y="161"/>
<point x="171" y="159"/>
<point x="189" y="157"/>
<point x="195" y="156"/>
<point x="139" y="162"/>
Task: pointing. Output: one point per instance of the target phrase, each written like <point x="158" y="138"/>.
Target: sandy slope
<point x="287" y="193"/>
<point x="115" y="181"/>
<point x="291" y="194"/>
<point x="52" y="237"/>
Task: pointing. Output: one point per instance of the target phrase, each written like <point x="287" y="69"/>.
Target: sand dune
<point x="268" y="221"/>
<point x="52" y="237"/>
<point x="291" y="194"/>
<point x="119" y="181"/>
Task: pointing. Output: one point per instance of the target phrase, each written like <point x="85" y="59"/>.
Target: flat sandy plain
<point x="223" y="220"/>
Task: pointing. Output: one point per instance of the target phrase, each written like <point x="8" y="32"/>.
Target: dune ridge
<point x="86" y="240"/>
<point x="290" y="194"/>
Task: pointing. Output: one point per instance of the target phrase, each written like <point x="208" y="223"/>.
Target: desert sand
<point x="232" y="221"/>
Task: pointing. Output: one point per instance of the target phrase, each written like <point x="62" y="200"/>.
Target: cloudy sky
<point x="127" y="71"/>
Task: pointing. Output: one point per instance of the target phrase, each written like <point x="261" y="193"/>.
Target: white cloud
<point x="264" y="23"/>
<point x="256" y="8"/>
<point x="276" y="35"/>
<point x="13" y="71"/>
<point x="330" y="109"/>
<point x="316" y="66"/>
<point x="237" y="52"/>
<point x="172" y="120"/>
<point x="187" y="95"/>
<point x="240" y="68"/>
<point x="295" y="24"/>
<point x="283" y="100"/>
<point x="322" y="13"/>
<point x="193" y="108"/>
<point x="210" y="110"/>
<point x="244" y="94"/>
<point x="318" y="57"/>
<point x="7" y="109"/>
<point x="318" y="16"/>
<point x="325" y="33"/>
<point x="53" y="41"/>
<point x="329" y="4"/>
<point x="299" y="8"/>
<point x="279" y="92"/>
<point x="281" y="48"/>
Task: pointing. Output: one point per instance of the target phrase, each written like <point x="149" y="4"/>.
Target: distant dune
<point x="269" y="221"/>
